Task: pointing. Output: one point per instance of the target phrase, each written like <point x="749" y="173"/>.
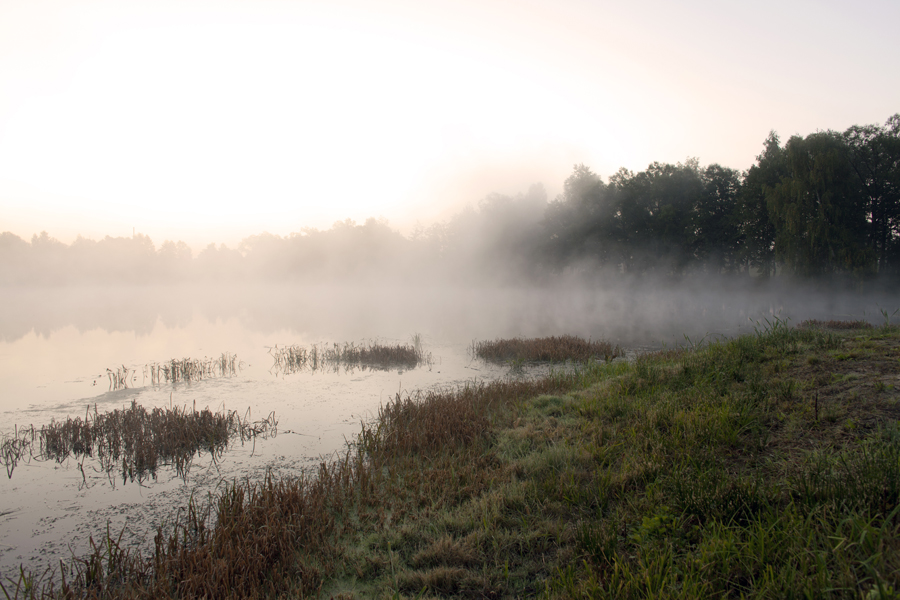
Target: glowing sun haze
<point x="212" y="120"/>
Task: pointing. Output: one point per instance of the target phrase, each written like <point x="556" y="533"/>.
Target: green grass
<point x="700" y="473"/>
<point x="766" y="466"/>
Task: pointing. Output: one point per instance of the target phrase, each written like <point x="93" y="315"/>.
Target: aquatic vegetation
<point x="135" y="441"/>
<point x="185" y="370"/>
<point x="374" y="355"/>
<point x="547" y="349"/>
<point x="16" y="448"/>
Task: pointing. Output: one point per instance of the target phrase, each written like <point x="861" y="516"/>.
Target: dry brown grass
<point x="546" y="349"/>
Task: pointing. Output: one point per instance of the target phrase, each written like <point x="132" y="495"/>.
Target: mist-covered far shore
<point x="822" y="208"/>
<point x="810" y="231"/>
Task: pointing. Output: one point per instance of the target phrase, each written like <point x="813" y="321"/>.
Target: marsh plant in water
<point x="184" y="370"/>
<point x="295" y="358"/>
<point x="135" y="441"/>
<point x="546" y="349"/>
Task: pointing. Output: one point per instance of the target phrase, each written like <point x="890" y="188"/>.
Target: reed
<point x="136" y="441"/>
<point x="545" y="349"/>
<point x="121" y="378"/>
<point x="187" y="370"/>
<point x="295" y="358"/>
<point x="16" y="447"/>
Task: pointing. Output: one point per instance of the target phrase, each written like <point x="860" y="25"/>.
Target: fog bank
<point x="640" y="312"/>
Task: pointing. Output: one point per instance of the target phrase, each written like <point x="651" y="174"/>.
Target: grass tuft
<point x="546" y="349"/>
<point x="832" y="324"/>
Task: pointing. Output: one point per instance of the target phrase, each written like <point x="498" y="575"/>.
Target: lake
<point x="56" y="345"/>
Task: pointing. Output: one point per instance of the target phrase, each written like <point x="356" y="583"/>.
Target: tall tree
<point x="655" y="209"/>
<point x="577" y="223"/>
<point x="717" y="234"/>
<point x="875" y="158"/>
<point x="757" y="228"/>
<point x="819" y="211"/>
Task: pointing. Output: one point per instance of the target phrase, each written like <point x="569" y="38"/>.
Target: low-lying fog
<point x="629" y="313"/>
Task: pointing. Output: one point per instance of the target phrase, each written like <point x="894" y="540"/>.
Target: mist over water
<point x="641" y="311"/>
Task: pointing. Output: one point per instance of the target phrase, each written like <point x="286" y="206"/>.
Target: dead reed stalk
<point x="15" y="448"/>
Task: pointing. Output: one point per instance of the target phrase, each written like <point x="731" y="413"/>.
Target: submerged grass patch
<point x="739" y="469"/>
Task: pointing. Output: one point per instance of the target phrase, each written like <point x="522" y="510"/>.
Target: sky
<point x="209" y="121"/>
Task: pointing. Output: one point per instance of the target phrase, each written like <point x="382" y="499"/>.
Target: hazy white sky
<point x="213" y="120"/>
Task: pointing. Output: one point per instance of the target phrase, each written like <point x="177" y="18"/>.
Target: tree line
<point x="822" y="206"/>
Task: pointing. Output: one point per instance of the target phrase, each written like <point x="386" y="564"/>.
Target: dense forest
<point x="822" y="206"/>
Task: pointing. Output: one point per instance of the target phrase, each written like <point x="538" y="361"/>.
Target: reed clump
<point x="16" y="447"/>
<point x="545" y="349"/>
<point x="184" y="370"/>
<point x="374" y="355"/>
<point x="835" y="324"/>
<point x="193" y="369"/>
<point x="136" y="441"/>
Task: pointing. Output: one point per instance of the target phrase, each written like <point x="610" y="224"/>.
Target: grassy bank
<point x="764" y="466"/>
